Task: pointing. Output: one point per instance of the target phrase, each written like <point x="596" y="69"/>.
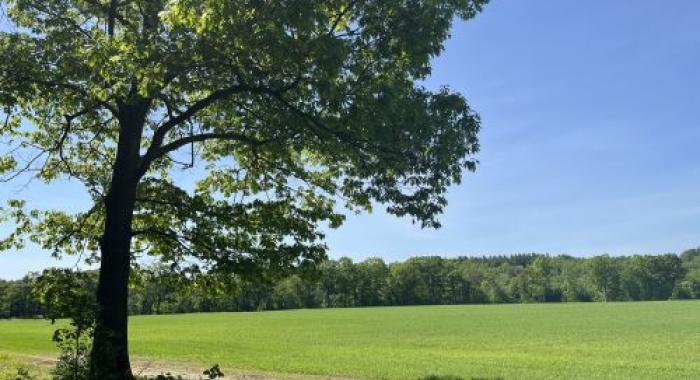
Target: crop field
<point x="641" y="340"/>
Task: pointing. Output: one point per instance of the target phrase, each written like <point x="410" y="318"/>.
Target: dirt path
<point x="143" y="367"/>
<point x="154" y="368"/>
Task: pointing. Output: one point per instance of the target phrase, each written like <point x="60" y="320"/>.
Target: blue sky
<point x="591" y="126"/>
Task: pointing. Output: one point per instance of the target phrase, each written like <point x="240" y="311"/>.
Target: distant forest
<point x="156" y="289"/>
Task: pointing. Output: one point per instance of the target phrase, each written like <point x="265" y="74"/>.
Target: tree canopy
<point x="281" y="111"/>
<point x="281" y="108"/>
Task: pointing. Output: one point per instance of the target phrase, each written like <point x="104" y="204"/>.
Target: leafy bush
<point x="69" y="294"/>
<point x="74" y="353"/>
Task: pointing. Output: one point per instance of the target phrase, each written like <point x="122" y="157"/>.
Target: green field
<point x="642" y="340"/>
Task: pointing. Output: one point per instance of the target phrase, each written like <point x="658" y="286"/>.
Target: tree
<point x="573" y="281"/>
<point x="346" y="282"/>
<point x="277" y="109"/>
<point x="651" y="277"/>
<point x="542" y="271"/>
<point x="17" y="299"/>
<point x="666" y="271"/>
<point x="288" y="293"/>
<point x="690" y="255"/>
<point x="605" y="277"/>
<point x="689" y="287"/>
<point x="457" y="287"/>
<point x="417" y="281"/>
<point x="372" y="275"/>
<point x="157" y="285"/>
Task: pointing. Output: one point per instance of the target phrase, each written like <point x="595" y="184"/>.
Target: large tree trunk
<point x="110" y="353"/>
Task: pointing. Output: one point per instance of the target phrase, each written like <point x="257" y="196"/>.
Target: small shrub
<point x="69" y="294"/>
<point x="214" y="372"/>
<point x="74" y="353"/>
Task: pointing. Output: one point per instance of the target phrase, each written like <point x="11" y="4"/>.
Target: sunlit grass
<point x="642" y="340"/>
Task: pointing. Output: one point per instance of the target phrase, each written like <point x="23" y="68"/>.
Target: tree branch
<point x="157" y="149"/>
<point x="152" y="155"/>
<point x="162" y="131"/>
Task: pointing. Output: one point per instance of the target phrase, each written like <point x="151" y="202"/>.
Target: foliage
<point x="621" y="340"/>
<point x="17" y="299"/>
<point x="434" y="280"/>
<point x="214" y="372"/>
<point x="689" y="287"/>
<point x="284" y="106"/>
<point x="69" y="294"/>
<point x="605" y="277"/>
<point x="74" y="345"/>
<point x="277" y="109"/>
<point x="158" y="289"/>
<point x="65" y="293"/>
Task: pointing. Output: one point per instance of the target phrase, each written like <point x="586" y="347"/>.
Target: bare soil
<point x="152" y="368"/>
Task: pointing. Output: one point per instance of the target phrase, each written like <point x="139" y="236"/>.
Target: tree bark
<point x="110" y="352"/>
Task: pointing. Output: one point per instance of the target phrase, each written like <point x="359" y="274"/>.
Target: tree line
<point x="158" y="289"/>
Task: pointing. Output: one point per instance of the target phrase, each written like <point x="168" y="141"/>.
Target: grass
<point x="12" y="367"/>
<point x="642" y="340"/>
